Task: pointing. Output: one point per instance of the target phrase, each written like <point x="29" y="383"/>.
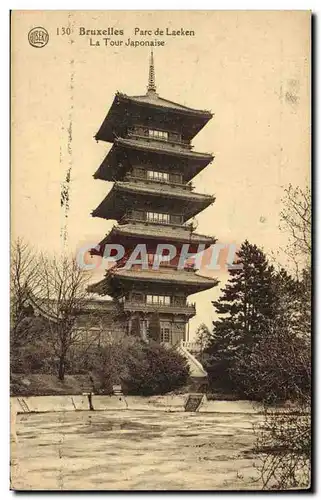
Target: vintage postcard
<point x="160" y="250"/>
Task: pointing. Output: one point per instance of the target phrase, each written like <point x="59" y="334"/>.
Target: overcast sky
<point x="251" y="69"/>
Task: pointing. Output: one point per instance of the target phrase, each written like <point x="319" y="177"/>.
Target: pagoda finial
<point x="151" y="77"/>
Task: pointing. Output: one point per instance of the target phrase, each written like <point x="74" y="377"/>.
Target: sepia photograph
<point x="160" y="250"/>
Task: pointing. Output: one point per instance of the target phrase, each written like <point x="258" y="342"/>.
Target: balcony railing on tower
<point x="145" y="134"/>
<point x="141" y="178"/>
<point x="172" y="308"/>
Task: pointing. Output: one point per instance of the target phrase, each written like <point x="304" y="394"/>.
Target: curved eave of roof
<point x="109" y="170"/>
<point x="160" y="190"/>
<point x="112" y="204"/>
<point x="49" y="308"/>
<point x="42" y="307"/>
<point x="105" y="132"/>
<point x="160" y="102"/>
<point x="97" y="305"/>
<point x="99" y="288"/>
<point x="162" y="233"/>
<point x="187" y="279"/>
<point x="163" y="148"/>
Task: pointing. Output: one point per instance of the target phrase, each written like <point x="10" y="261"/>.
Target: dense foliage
<point x="261" y="333"/>
<point x="140" y="368"/>
<point x="164" y="370"/>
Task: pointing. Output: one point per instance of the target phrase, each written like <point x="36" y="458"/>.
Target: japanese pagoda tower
<point x="151" y="163"/>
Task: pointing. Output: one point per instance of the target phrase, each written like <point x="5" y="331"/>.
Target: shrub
<point x="278" y="368"/>
<point x="163" y="370"/>
<point x="141" y="368"/>
<point x="283" y="447"/>
<point x="33" y="358"/>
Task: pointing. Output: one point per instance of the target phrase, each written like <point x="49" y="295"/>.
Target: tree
<point x="64" y="295"/>
<point x="295" y="221"/>
<point x="154" y="328"/>
<point x="25" y="278"/>
<point x="283" y="446"/>
<point x="245" y="307"/>
<point x="282" y="360"/>
<point x="281" y="364"/>
<point x="277" y="367"/>
<point x="202" y="338"/>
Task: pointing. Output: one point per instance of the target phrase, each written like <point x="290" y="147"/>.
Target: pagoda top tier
<point x="126" y="111"/>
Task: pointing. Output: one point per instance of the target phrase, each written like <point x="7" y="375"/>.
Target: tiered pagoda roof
<point x="189" y="162"/>
<point x="151" y="163"/>
<point x="118" y="119"/>
<point x="124" y="194"/>
<point x="137" y="230"/>
<point x="119" y="277"/>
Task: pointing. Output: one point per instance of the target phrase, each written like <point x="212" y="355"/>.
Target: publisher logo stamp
<point x="38" y="37"/>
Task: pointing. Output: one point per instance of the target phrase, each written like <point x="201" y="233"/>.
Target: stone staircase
<point x="196" y="368"/>
<point x="118" y="391"/>
<point x="23" y="405"/>
<point x="193" y="402"/>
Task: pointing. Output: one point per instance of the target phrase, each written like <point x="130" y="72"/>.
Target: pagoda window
<point x="161" y="300"/>
<point x="155" y="258"/>
<point x="158" y="176"/>
<point x="138" y="214"/>
<point x="176" y="178"/>
<point x="158" y="134"/>
<point x="179" y="300"/>
<point x="137" y="297"/>
<point x="139" y="172"/>
<point x="158" y="217"/>
<point x="176" y="219"/>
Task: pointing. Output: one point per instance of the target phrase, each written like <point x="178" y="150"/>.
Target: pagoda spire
<point x="151" y="87"/>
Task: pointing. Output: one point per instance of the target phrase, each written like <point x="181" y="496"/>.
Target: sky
<point x="250" y="68"/>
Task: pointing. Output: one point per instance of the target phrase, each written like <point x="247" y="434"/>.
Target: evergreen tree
<point x="277" y="366"/>
<point x="203" y="335"/>
<point x="245" y="307"/>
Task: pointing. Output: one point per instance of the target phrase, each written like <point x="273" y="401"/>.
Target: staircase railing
<point x="191" y="346"/>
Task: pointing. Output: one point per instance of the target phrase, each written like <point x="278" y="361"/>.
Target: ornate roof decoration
<point x="151" y="87"/>
<point x="124" y="106"/>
